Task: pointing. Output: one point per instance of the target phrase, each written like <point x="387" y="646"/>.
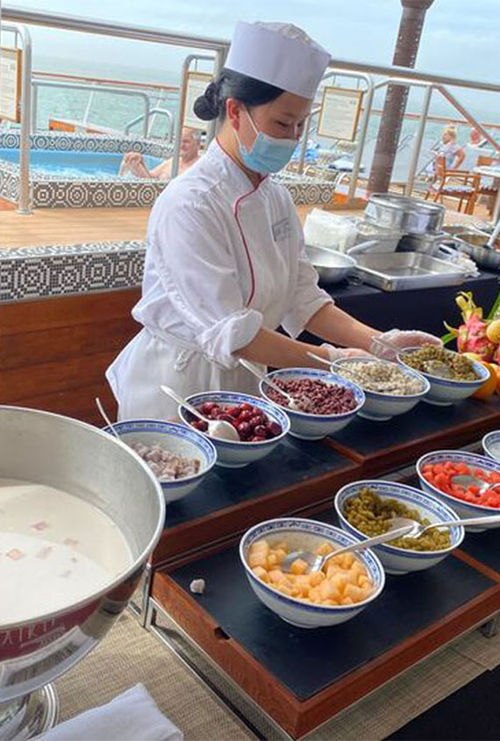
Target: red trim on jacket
<point x="235" y="212"/>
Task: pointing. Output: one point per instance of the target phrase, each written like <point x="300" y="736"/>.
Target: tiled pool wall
<point x="50" y="191"/>
<point x="63" y="270"/>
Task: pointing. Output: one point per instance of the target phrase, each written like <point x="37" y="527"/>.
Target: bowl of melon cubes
<point x="344" y="587"/>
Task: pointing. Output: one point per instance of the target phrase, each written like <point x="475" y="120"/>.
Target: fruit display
<point x="441" y="476"/>
<point x="344" y="579"/>
<point x="478" y="339"/>
<point x="472" y="335"/>
<point x="251" y="424"/>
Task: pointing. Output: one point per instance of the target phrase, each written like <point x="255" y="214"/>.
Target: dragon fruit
<point x="471" y="335"/>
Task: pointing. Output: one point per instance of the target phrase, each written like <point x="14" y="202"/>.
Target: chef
<point x="225" y="263"/>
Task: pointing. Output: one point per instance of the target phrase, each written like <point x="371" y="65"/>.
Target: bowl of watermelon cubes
<point x="437" y="471"/>
<point x="260" y="425"/>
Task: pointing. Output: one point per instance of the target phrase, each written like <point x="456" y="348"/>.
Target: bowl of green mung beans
<point x="365" y="509"/>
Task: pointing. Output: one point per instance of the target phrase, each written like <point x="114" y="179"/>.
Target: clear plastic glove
<point x="336" y="353"/>
<point x="389" y="344"/>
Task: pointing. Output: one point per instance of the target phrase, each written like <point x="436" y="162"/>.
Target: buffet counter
<point x="302" y="678"/>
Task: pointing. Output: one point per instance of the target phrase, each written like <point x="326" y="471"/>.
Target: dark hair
<point x="231" y="84"/>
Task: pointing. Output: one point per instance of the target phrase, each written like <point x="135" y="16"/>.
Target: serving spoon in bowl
<point x="467" y="479"/>
<point x="106" y="418"/>
<point x="399" y="527"/>
<point x="296" y="406"/>
<point x="421" y="529"/>
<point x="216" y="427"/>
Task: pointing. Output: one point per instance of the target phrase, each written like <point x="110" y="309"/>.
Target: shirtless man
<point x="189" y="154"/>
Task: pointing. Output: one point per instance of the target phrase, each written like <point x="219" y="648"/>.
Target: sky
<point x="460" y="38"/>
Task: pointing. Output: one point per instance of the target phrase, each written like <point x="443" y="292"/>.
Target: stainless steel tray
<point x="407" y="270"/>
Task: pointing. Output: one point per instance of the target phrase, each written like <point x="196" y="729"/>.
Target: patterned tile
<point x="61" y="270"/>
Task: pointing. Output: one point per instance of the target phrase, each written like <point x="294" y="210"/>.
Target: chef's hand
<point x="387" y="345"/>
<point x="336" y="353"/>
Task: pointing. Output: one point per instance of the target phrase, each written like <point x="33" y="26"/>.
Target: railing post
<point x="363" y="130"/>
<point x="417" y="146"/>
<point x="180" y="112"/>
<point x="24" y="206"/>
<point x="34" y="106"/>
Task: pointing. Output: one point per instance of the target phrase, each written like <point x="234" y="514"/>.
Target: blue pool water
<point x="74" y="164"/>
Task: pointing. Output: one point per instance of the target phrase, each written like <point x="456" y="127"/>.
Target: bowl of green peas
<point x="365" y="509"/>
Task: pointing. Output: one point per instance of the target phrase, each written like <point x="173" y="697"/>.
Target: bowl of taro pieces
<point x="179" y="456"/>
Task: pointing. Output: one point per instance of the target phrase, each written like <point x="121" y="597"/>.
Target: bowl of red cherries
<point x="259" y="424"/>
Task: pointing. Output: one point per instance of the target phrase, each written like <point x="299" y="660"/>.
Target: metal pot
<point x="428" y="244"/>
<point x="78" y="458"/>
<point x="473" y="244"/>
<point x="332" y="267"/>
<point x="409" y="215"/>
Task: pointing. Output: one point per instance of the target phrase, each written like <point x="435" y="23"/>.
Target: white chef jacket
<point x="223" y="259"/>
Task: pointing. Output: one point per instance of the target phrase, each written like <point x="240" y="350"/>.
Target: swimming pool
<point x="81" y="171"/>
<point x="71" y="164"/>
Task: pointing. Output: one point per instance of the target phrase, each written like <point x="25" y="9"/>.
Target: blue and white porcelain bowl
<point x="303" y="534"/>
<point x="379" y="406"/>
<point x="400" y="560"/>
<point x="444" y="392"/>
<point x="175" y="438"/>
<point x="234" y="453"/>
<point x="491" y="444"/>
<point x="463" y="509"/>
<point x="315" y="426"/>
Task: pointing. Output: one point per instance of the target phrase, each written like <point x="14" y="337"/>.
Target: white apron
<point x="223" y="260"/>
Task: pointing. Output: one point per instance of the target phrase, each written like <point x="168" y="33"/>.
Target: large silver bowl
<point x="331" y="266"/>
<point x="80" y="459"/>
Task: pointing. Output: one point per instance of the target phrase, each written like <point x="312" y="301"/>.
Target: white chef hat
<point x="280" y="54"/>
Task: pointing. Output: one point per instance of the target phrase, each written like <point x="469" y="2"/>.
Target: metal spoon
<point x="106" y="418"/>
<point x="421" y="529"/>
<point x="292" y="403"/>
<point x="397" y="529"/>
<point x="438" y="368"/>
<point x="216" y="427"/>
<point x="466" y="479"/>
<point x="494" y="234"/>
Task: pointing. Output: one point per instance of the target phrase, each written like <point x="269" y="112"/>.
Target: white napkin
<point x="132" y="716"/>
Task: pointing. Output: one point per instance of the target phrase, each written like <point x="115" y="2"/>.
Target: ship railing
<point x="218" y="48"/>
<point x="145" y="120"/>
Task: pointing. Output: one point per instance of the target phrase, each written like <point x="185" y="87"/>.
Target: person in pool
<point x="133" y="162"/>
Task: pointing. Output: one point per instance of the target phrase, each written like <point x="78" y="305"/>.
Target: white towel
<point x="132" y="716"/>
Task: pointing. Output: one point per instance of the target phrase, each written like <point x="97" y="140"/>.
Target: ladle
<point x="216" y="427"/>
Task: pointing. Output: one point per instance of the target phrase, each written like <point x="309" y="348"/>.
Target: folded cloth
<point x="132" y="716"/>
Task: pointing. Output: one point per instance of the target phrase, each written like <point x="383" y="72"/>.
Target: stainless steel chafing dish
<point x="409" y="215"/>
<point x="407" y="270"/>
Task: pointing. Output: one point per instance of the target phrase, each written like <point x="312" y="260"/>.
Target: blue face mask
<point x="268" y="154"/>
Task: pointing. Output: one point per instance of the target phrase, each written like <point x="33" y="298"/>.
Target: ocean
<point x="115" y="111"/>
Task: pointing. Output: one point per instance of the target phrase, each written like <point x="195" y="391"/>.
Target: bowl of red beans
<point x="327" y="401"/>
<point x="260" y="425"/>
<point x="437" y="472"/>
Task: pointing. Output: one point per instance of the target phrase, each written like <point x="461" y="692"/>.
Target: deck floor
<point x="62" y="226"/>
